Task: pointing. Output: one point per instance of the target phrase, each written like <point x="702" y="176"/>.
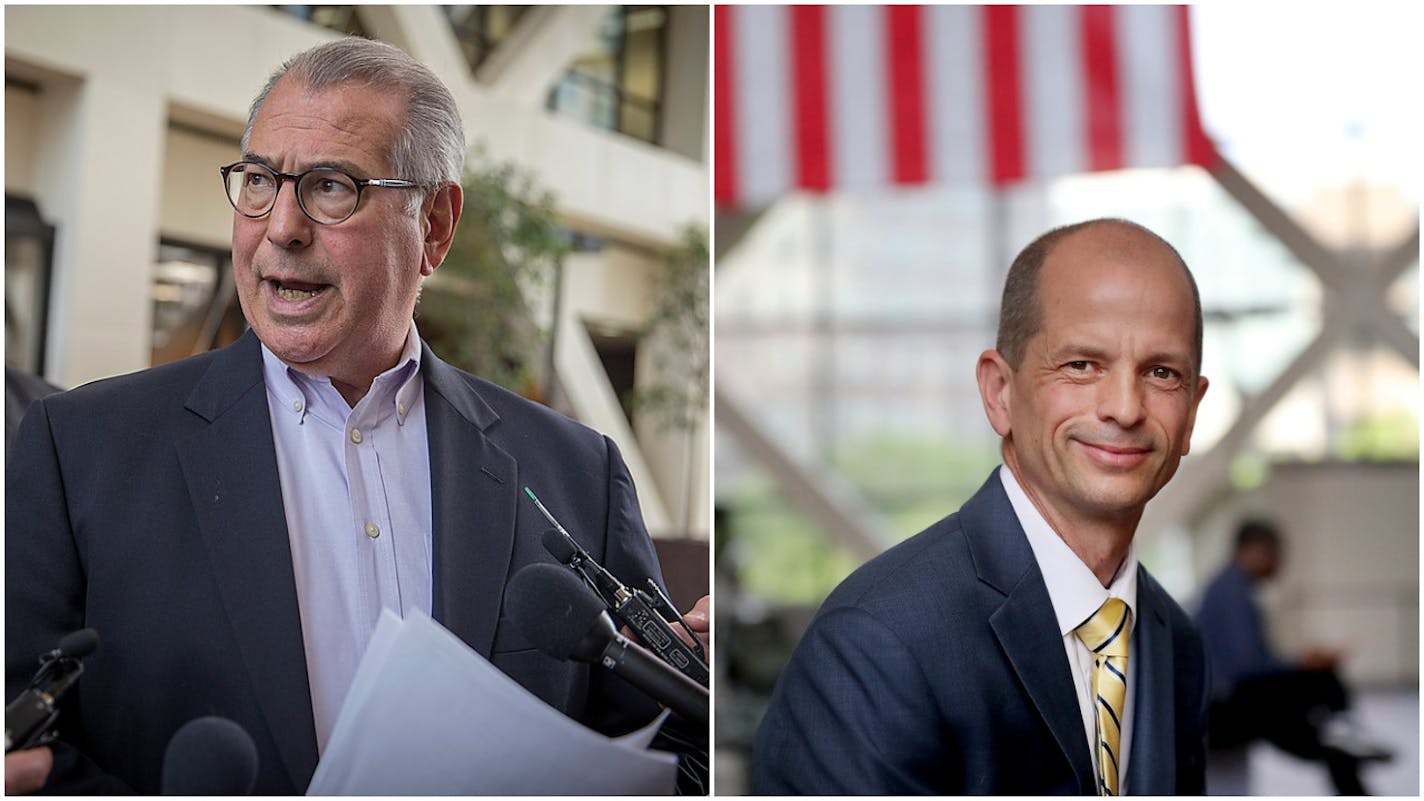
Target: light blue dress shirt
<point x="356" y="493"/>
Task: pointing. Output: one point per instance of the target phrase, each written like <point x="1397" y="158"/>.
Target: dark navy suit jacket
<point x="937" y="667"/>
<point x="148" y="507"/>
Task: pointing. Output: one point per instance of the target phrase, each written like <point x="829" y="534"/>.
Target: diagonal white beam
<point x="1319" y="259"/>
<point x="833" y="505"/>
<point x="538" y="51"/>
<point x="1393" y="332"/>
<point x="1394" y="262"/>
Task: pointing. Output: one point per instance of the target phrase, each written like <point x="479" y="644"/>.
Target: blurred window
<point x="618" y="352"/>
<point x="616" y="84"/>
<point x="342" y="19"/>
<point x="195" y="305"/>
<point x="481" y="29"/>
<point x="29" y="254"/>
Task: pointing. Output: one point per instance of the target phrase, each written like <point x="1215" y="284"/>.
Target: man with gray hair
<point x="233" y="524"/>
<point x="1016" y="646"/>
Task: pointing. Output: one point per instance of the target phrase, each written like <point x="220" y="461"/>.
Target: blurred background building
<point x="117" y="234"/>
<point x="877" y="170"/>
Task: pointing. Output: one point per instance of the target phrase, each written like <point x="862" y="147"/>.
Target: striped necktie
<point x="1106" y="634"/>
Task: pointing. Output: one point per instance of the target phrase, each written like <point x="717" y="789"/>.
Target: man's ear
<point x="995" y="389"/>
<point x="439" y="215"/>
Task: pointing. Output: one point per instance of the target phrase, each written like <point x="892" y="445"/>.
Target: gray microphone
<point x="566" y="620"/>
<point x="210" y="756"/>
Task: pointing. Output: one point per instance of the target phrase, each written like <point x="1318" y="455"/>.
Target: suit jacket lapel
<point x="1024" y="624"/>
<point x="474" y="497"/>
<point x="1151" y="765"/>
<point x="231" y="470"/>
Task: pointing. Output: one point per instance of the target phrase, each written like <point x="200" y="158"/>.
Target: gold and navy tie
<point x="1106" y="634"/>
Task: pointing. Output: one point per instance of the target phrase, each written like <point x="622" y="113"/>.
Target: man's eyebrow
<point x="1075" y="352"/>
<point x="1167" y="357"/>
<point x="337" y="164"/>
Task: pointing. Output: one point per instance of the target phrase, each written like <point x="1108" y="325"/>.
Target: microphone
<point x="77" y="644"/>
<point x="29" y="719"/>
<point x="647" y="614"/>
<point x="565" y="620"/>
<point x="210" y="756"/>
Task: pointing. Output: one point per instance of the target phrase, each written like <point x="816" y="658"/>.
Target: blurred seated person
<point x="1299" y="706"/>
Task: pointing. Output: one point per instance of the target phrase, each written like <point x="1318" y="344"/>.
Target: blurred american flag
<point x="843" y="97"/>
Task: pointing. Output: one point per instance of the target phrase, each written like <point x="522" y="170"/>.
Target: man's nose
<point x="287" y="225"/>
<point x="1120" y="398"/>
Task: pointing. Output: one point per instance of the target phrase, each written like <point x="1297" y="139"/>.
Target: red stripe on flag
<point x="1196" y="147"/>
<point x="812" y="143"/>
<point x="906" y="94"/>
<point x="1102" y="90"/>
<point x="724" y="128"/>
<point x="1005" y="115"/>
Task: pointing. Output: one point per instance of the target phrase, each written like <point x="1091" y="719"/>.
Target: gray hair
<point x="1021" y="311"/>
<point x="430" y="149"/>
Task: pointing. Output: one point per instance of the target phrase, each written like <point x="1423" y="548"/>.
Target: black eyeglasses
<point x="325" y="195"/>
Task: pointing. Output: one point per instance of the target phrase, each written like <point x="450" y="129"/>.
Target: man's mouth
<point x="1116" y="456"/>
<point x="296" y="290"/>
<point x="1117" y="449"/>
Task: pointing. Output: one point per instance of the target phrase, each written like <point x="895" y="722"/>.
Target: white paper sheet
<point x="428" y="716"/>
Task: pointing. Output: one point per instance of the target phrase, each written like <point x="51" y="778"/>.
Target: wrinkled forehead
<point x="347" y="124"/>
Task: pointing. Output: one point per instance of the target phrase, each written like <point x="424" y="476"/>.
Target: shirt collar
<point x="395" y="391"/>
<point x="1074" y="590"/>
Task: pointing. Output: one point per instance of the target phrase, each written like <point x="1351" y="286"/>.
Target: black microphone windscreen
<point x="79" y="644"/>
<point x="210" y="756"/>
<point x="552" y="607"/>
<point x="558" y="543"/>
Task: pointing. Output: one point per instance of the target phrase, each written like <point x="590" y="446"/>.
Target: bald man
<point x="1017" y="646"/>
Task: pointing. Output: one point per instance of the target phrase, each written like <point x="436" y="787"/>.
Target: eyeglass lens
<point x="327" y="196"/>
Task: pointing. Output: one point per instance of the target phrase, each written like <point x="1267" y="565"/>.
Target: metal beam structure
<point x="1354" y="303"/>
<point x="835" y="506"/>
<point x="538" y="51"/>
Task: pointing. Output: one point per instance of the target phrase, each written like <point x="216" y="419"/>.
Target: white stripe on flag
<point x="1151" y="97"/>
<point x="954" y="83"/>
<point x="764" y="103"/>
<point x="1054" y="119"/>
<point x="859" y="108"/>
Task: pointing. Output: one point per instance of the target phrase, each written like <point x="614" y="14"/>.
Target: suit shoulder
<point x="153" y="390"/>
<point x="520" y="417"/>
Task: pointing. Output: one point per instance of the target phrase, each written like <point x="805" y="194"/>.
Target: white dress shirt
<point x="356" y="492"/>
<point x="1076" y="594"/>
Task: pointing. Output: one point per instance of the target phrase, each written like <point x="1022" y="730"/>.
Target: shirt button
<point x="400" y="408"/>
<point x="372" y="530"/>
<point x="356" y="435"/>
<point x="296" y="405"/>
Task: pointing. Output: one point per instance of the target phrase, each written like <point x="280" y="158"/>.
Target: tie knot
<point x="1106" y="631"/>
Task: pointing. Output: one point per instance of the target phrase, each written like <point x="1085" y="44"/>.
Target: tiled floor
<point x="1392" y="715"/>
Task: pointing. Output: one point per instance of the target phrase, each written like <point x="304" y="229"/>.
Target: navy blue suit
<point x="149" y="508"/>
<point x="937" y="667"/>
